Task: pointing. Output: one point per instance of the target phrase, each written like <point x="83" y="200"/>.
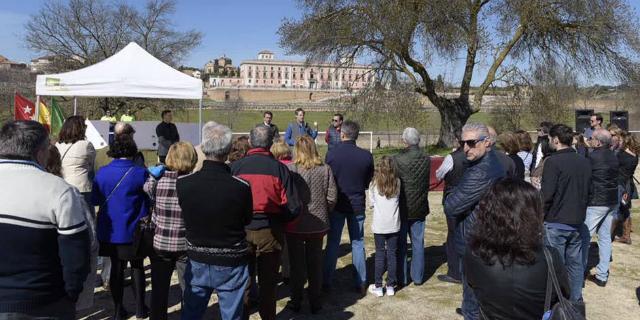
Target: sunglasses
<point x="334" y="120"/>
<point x="472" y="143"/>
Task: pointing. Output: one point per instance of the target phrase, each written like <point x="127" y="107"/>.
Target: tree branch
<point x="491" y="74"/>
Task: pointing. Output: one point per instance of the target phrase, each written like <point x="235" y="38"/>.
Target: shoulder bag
<point x="564" y="309"/>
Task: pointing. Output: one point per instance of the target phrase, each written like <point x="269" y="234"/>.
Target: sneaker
<point x="376" y="291"/>
<point x="391" y="291"/>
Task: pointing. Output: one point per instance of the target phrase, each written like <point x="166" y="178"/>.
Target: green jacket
<point x="414" y="169"/>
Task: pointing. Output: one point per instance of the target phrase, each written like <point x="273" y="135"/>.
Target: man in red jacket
<point x="275" y="201"/>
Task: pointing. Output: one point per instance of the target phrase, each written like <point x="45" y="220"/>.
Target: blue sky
<point x="238" y="29"/>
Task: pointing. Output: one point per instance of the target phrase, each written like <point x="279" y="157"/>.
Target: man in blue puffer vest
<point x="298" y="128"/>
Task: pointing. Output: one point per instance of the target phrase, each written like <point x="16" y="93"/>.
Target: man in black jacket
<point x="451" y="171"/>
<point x="602" y="203"/>
<point x="413" y="168"/>
<point x="565" y="193"/>
<point x="483" y="171"/>
<point x="214" y="222"/>
<point x="167" y="134"/>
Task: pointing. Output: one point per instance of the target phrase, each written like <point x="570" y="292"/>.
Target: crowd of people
<point x="236" y="217"/>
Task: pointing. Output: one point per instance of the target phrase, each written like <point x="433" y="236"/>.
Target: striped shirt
<point x="43" y="238"/>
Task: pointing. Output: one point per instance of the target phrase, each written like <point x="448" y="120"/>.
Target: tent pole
<point x="75" y="106"/>
<point x="200" y="120"/>
<point x="37" y="111"/>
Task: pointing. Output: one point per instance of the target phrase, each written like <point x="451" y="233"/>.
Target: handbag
<point x="145" y="230"/>
<point x="564" y="309"/>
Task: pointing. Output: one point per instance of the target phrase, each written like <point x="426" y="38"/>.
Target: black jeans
<point x="453" y="259"/>
<point x="386" y="247"/>
<point x="162" y="266"/>
<point x="305" y="256"/>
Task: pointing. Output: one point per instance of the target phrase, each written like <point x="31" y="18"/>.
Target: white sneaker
<point x="376" y="291"/>
<point x="391" y="291"/>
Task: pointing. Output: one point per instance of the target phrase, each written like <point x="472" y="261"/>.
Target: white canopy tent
<point x="131" y="72"/>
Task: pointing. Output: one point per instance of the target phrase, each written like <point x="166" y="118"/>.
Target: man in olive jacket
<point x="413" y="168"/>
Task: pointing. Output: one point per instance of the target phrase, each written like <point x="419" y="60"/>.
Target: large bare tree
<point x="79" y="33"/>
<point x="596" y="37"/>
<point x="88" y="31"/>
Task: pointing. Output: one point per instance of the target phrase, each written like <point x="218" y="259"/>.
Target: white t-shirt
<point x="386" y="211"/>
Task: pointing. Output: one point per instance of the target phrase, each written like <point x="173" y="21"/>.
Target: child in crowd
<point x="384" y="193"/>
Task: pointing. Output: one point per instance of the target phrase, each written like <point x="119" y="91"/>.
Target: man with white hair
<point x="215" y="229"/>
<point x="414" y="169"/>
<point x="483" y="171"/>
<point x="603" y="201"/>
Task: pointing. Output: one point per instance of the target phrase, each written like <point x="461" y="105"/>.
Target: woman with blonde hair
<point x="280" y="150"/>
<point x="305" y="234"/>
<point x="169" y="242"/>
<point x="384" y="194"/>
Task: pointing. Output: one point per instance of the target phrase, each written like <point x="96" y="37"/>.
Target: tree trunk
<point x="454" y="113"/>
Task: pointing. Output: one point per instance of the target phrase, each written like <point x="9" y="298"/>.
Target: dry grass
<point x="432" y="300"/>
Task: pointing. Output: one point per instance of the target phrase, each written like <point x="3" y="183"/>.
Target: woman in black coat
<point x="505" y="263"/>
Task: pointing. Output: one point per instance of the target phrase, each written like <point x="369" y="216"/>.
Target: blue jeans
<point x="569" y="246"/>
<point x="470" y="306"/>
<point x="415" y="230"/>
<point x="599" y="220"/>
<point x="355" y="225"/>
<point x="228" y="282"/>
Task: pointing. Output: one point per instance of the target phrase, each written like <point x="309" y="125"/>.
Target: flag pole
<point x="75" y="106"/>
<point x="37" y="111"/>
<point x="15" y="93"/>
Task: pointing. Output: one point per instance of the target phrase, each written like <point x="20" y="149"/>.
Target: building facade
<point x="267" y="72"/>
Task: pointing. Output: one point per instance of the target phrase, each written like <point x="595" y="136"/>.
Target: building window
<point x="279" y="75"/>
<point x="249" y="80"/>
<point x="294" y="76"/>
<point x="271" y="68"/>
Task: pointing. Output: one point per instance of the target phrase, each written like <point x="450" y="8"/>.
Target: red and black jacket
<point x="275" y="197"/>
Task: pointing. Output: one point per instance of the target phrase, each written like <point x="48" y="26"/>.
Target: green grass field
<point x="246" y="120"/>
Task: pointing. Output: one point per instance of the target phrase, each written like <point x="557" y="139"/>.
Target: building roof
<point x="265" y="52"/>
<point x="304" y="64"/>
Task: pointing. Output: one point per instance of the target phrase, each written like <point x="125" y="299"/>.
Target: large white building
<point x="267" y="72"/>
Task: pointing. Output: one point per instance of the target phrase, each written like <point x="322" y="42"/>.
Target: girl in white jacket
<point x="384" y="193"/>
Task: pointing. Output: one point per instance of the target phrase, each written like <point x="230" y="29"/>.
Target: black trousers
<point x="453" y="259"/>
<point x="305" y="257"/>
<point x="162" y="267"/>
<point x="116" y="282"/>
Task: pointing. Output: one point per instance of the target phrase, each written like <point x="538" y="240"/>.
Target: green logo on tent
<point x="52" y="82"/>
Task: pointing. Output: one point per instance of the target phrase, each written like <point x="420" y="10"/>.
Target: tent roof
<point x="131" y="72"/>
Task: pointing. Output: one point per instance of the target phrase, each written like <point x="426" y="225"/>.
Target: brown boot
<point x="615" y="223"/>
<point x="626" y="231"/>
